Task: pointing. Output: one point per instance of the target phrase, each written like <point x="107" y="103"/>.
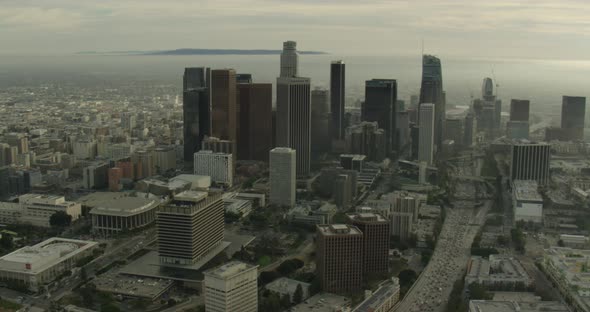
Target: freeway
<point x="431" y="291"/>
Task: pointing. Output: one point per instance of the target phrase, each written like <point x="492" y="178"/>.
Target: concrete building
<point x="286" y="286"/>
<point x="517" y="130"/>
<point x="431" y="91"/>
<point x="352" y="162"/>
<point x="196" y="109"/>
<point x="95" y="176"/>
<point x="144" y="162"/>
<point x="123" y="214"/>
<point x="470" y="130"/>
<point x="380" y="107"/>
<point x="282" y="176"/>
<point x="321" y="119"/>
<point x="573" y="116"/>
<point x="527" y="202"/>
<point x="376" y="235"/>
<point x="189" y="227"/>
<point x="36" y="209"/>
<point x="519" y="110"/>
<point x="324" y="302"/>
<point x="164" y="159"/>
<point x="231" y="287"/>
<point x="454" y="130"/>
<point x="566" y="268"/>
<point x="512" y="306"/>
<point x="84" y="149"/>
<point x="337" y="98"/>
<point x="220" y="146"/>
<point x="530" y="161"/>
<point x="426" y="133"/>
<point x="500" y="272"/>
<point x="367" y="139"/>
<point x="223" y="104"/>
<point x="289" y="60"/>
<point x="35" y="266"/>
<point x="339" y="258"/>
<point x="115" y="176"/>
<point x="402" y="131"/>
<point x="218" y="166"/>
<point x="254" y="121"/>
<point x="383" y="299"/>
<point x="574" y="241"/>
<point x="293" y="123"/>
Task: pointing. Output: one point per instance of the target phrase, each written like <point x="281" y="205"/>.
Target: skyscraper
<point x="573" y="112"/>
<point x="320" y="121"/>
<point x="376" y="234"/>
<point x="426" y="132"/>
<point x="289" y="60"/>
<point x="223" y="104"/>
<point x="294" y="119"/>
<point x="196" y="109"/>
<point x="487" y="90"/>
<point x="431" y="91"/>
<point x="219" y="166"/>
<point x="339" y="257"/>
<point x="379" y="106"/>
<point x="282" y="176"/>
<point x="337" y="98"/>
<point x="530" y="161"/>
<point x="519" y="110"/>
<point x="254" y="121"/>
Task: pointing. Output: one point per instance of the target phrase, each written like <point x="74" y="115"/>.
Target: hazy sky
<point x="492" y="28"/>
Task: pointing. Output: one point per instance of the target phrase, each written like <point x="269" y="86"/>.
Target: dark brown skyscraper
<point x="339" y="257"/>
<point x="519" y="110"/>
<point x="254" y="121"/>
<point x="376" y="234"/>
<point x="379" y="106"/>
<point x="337" y="94"/>
<point x="573" y="112"/>
<point x="196" y="109"/>
<point x="223" y="104"/>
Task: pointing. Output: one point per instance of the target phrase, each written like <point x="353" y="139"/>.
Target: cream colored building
<point x="37" y="209"/>
<point x="231" y="287"/>
<point x="123" y="214"/>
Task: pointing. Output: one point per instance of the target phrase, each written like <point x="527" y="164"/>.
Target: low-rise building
<point x="567" y="268"/>
<point x="37" y="209"/>
<point x="41" y="264"/>
<point x="123" y="214"/>
<point x="324" y="302"/>
<point x="500" y="272"/>
<point x="511" y="306"/>
<point x="574" y="241"/>
<point x="286" y="286"/>
<point x="527" y="202"/>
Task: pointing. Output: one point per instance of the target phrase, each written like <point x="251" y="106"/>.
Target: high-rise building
<point x="289" y="60"/>
<point x="376" y="235"/>
<point x="223" y="104"/>
<point x="379" y="106"/>
<point x="164" y="159"/>
<point x="402" y="130"/>
<point x="190" y="228"/>
<point x="487" y="90"/>
<point x="517" y="130"/>
<point x="144" y="160"/>
<point x="337" y="98"/>
<point x="573" y="115"/>
<point x="254" y="121"/>
<point x="454" y="130"/>
<point x="196" y="109"/>
<point x="20" y="140"/>
<point x="366" y="139"/>
<point x="340" y="257"/>
<point x="320" y="121"/>
<point x="426" y="132"/>
<point x="115" y="175"/>
<point x="431" y="91"/>
<point x="294" y="119"/>
<point x="231" y="287"/>
<point x="282" y="176"/>
<point x="243" y="78"/>
<point x="530" y="161"/>
<point x="519" y="110"/>
<point x="219" y="166"/>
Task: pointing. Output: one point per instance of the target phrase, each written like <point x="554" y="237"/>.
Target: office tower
<point x="341" y="192"/>
<point x="144" y="160"/>
<point x="219" y="146"/>
<point x="454" y="130"/>
<point x="115" y="175"/>
<point x="289" y="60"/>
<point x="352" y="162"/>
<point x="320" y="121"/>
<point x="426" y="132"/>
<point x="4" y="181"/>
<point x="164" y="159"/>
<point x="337" y="99"/>
<point x="231" y="287"/>
<point x="530" y="161"/>
<point x="196" y="109"/>
<point x="339" y="257"/>
<point x="517" y="130"/>
<point x="402" y="130"/>
<point x="431" y="91"/>
<point x="294" y="119"/>
<point x="415" y="138"/>
<point x="379" y="106"/>
<point x="223" y="104"/>
<point x="219" y="166"/>
<point x="497" y="115"/>
<point x="414" y="101"/>
<point x="254" y="121"/>
<point x="573" y="113"/>
<point x="128" y="121"/>
<point x="519" y="110"/>
<point x="189" y="229"/>
<point x="366" y="139"/>
<point x="470" y="130"/>
<point x="18" y="140"/>
<point x="243" y="78"/>
<point x="487" y="90"/>
<point x="282" y="176"/>
<point x="404" y="212"/>
<point x="376" y="236"/>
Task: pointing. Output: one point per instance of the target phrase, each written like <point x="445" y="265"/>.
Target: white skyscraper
<point x="282" y="176"/>
<point x="219" y="166"/>
<point x="426" y="133"/>
<point x="231" y="287"/>
<point x="294" y="119"/>
<point x="289" y="59"/>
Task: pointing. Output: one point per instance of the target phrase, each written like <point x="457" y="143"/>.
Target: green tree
<point x="298" y="295"/>
<point x="426" y="255"/>
<point x="60" y="219"/>
<point x="109" y="307"/>
<point x="560" y="243"/>
<point x="407" y="277"/>
<point x="6" y="241"/>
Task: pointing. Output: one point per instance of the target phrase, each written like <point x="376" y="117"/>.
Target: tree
<point x="560" y="243"/>
<point x="426" y="255"/>
<point x="109" y="307"/>
<point x="6" y="241"/>
<point x="285" y="301"/>
<point x="407" y="277"/>
<point x="298" y="295"/>
<point x="60" y="219"/>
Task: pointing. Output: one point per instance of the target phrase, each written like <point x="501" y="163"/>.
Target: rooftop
<point x="323" y="302"/>
<point x="339" y="229"/>
<point x="366" y="217"/>
<point x="125" y="206"/>
<point x="230" y="269"/>
<point x="383" y="293"/>
<point x="527" y="190"/>
<point x="508" y="306"/>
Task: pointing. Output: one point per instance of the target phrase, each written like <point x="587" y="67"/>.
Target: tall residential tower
<point x="337" y="98"/>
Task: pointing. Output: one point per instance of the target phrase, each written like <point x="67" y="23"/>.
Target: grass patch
<point x="264" y="261"/>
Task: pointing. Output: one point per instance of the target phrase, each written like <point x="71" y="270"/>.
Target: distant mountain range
<point x="196" y="52"/>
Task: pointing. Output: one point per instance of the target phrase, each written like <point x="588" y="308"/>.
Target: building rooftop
<point x="128" y="286"/>
<point x="324" y="302"/>
<point x="229" y="269"/>
<point x="509" y="306"/>
<point x="339" y="229"/>
<point x="527" y="190"/>
<point x="190" y="196"/>
<point x="285" y="284"/>
<point x="366" y="217"/>
<point x="125" y="206"/>
<point x="384" y="292"/>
